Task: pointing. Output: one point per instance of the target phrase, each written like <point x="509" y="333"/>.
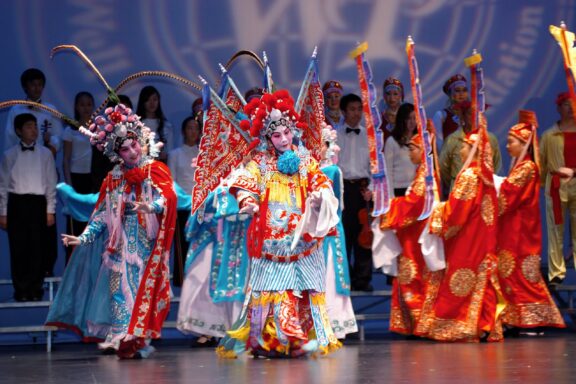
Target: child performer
<point x="466" y="306"/>
<point x="294" y="208"/>
<point x="136" y="215"/>
<point x="415" y="285"/>
<point x="520" y="238"/>
<point x="338" y="301"/>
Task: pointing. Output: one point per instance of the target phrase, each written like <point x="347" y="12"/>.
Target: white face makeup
<point x="282" y="139"/>
<point x="131" y="152"/>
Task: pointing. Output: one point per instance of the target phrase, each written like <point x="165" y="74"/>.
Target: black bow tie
<point x="356" y="130"/>
<point x="23" y="148"/>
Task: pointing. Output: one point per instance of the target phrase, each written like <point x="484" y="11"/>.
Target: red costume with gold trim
<point x="415" y="285"/>
<point x="466" y="304"/>
<point x="520" y="244"/>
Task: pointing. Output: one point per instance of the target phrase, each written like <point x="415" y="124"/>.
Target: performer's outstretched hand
<point x="142" y="207"/>
<point x="249" y="208"/>
<point x="70" y="240"/>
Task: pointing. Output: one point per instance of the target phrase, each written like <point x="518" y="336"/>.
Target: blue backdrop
<point x="522" y="63"/>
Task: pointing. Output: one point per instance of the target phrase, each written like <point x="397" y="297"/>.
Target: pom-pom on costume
<point x="285" y="313"/>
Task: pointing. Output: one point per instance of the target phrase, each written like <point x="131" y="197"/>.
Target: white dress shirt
<point x="81" y="158"/>
<point x="354" y="157"/>
<point x="179" y="162"/>
<point x="399" y="168"/>
<point x="45" y="121"/>
<point x="28" y="172"/>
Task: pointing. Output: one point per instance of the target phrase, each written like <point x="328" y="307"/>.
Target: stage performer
<point x="529" y="304"/>
<point x="216" y="268"/>
<point x="294" y="208"/>
<point x="393" y="92"/>
<point x="338" y="302"/>
<point x="447" y="119"/>
<point x="332" y="94"/>
<point x="132" y="227"/>
<point x="414" y="286"/>
<point x="466" y="307"/>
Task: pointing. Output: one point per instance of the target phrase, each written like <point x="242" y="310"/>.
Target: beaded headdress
<point x="455" y="81"/>
<point x="116" y="125"/>
<point x="394" y="83"/>
<point x="332" y="86"/>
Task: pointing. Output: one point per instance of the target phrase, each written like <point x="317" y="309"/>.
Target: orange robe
<point x="415" y="284"/>
<point x="519" y="247"/>
<point x="466" y="304"/>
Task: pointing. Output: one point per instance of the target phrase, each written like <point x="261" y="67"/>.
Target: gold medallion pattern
<point x="531" y="268"/>
<point x="506" y="263"/>
<point x="502" y="204"/>
<point x="466" y="186"/>
<point x="487" y="210"/>
<point x="462" y="282"/>
<point x="522" y="174"/>
<point x="407" y="270"/>
<point x="452" y="231"/>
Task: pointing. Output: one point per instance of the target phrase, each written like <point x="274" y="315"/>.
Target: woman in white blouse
<point x="150" y="109"/>
<point x="180" y="164"/>
<point x="77" y="159"/>
<point x="400" y="170"/>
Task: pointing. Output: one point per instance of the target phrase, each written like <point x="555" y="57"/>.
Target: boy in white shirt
<point x="27" y="206"/>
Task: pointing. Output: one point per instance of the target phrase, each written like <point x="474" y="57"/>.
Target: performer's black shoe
<point x="204" y="342"/>
<point x="20" y="297"/>
<point x="364" y="288"/>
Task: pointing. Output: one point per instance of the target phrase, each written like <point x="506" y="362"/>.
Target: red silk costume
<point x="466" y="304"/>
<point x="415" y="286"/>
<point x="519" y="247"/>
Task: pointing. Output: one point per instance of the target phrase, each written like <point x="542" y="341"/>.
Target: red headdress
<point x="525" y="131"/>
<point x="332" y="86"/>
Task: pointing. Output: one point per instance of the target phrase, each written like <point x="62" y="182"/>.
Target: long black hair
<point x="77" y="98"/>
<point x="401" y="125"/>
<point x="145" y="94"/>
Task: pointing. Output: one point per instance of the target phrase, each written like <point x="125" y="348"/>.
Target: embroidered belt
<point x="289" y="259"/>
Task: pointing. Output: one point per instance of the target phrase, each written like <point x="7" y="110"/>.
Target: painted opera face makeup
<point x="131" y="152"/>
<point x="282" y="138"/>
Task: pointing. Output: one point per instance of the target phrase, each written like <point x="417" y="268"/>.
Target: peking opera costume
<point x="529" y="303"/>
<point x="469" y="300"/>
<point x="116" y="287"/>
<point x="338" y="302"/>
<point x="130" y="298"/>
<point x="293" y="208"/>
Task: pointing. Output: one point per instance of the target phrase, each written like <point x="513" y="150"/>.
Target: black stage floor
<point x="547" y="359"/>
